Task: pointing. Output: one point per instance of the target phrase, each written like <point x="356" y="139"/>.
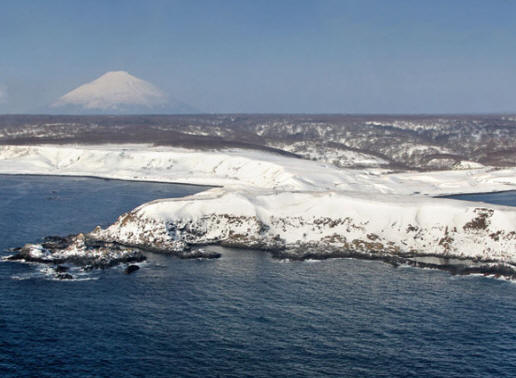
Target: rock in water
<point x="77" y="250"/>
<point x="131" y="269"/>
<point x="64" y="276"/>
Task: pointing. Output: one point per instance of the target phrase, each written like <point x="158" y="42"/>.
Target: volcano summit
<point x="121" y="93"/>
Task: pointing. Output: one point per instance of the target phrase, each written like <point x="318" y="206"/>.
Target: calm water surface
<point x="507" y="198"/>
<point x="243" y="314"/>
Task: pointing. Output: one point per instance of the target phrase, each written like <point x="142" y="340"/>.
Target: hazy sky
<point x="388" y="56"/>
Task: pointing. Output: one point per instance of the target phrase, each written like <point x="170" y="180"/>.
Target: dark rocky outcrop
<point x="131" y="269"/>
<point x="64" y="276"/>
<point x="76" y="250"/>
<point x="197" y="254"/>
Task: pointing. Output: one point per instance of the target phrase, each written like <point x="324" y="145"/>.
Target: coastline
<point x="185" y="183"/>
<point x="109" y="178"/>
<point x="293" y="208"/>
<point x="243" y="169"/>
<point x="451" y="196"/>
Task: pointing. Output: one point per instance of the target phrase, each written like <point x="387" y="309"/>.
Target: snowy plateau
<point x="270" y="198"/>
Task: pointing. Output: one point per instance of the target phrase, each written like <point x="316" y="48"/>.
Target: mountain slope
<point x="118" y="92"/>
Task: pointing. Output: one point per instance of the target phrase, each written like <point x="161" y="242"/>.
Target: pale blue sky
<point x="390" y="56"/>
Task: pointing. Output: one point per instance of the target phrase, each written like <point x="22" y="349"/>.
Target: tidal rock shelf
<point x="88" y="253"/>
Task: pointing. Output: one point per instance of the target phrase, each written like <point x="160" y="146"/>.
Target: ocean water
<point x="244" y="314"/>
<point x="507" y="198"/>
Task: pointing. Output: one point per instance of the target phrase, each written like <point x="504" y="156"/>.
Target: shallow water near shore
<point x="242" y="314"/>
<point x="506" y="198"/>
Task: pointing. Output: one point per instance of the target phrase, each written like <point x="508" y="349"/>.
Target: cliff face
<point x="320" y="225"/>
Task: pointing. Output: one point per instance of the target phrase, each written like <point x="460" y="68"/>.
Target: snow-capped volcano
<point x="118" y="92"/>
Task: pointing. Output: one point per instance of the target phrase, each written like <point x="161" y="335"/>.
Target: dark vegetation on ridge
<point x="396" y="142"/>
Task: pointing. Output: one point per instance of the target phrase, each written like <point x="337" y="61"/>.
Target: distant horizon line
<point x="259" y="113"/>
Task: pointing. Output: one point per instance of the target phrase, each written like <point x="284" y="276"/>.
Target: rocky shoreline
<point x="78" y="251"/>
<point x="87" y="253"/>
<point x="293" y="208"/>
<point x="452" y="265"/>
<point x="461" y="238"/>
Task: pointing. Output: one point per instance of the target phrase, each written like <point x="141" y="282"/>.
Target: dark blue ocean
<point x="244" y="314"/>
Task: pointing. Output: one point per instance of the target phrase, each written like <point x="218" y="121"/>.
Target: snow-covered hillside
<point x="241" y="169"/>
<point x="321" y="224"/>
<point x="115" y="91"/>
<point x="394" y="142"/>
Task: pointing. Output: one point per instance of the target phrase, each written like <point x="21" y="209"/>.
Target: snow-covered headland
<point x="293" y="207"/>
<point x="236" y="168"/>
<point x="321" y="224"/>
